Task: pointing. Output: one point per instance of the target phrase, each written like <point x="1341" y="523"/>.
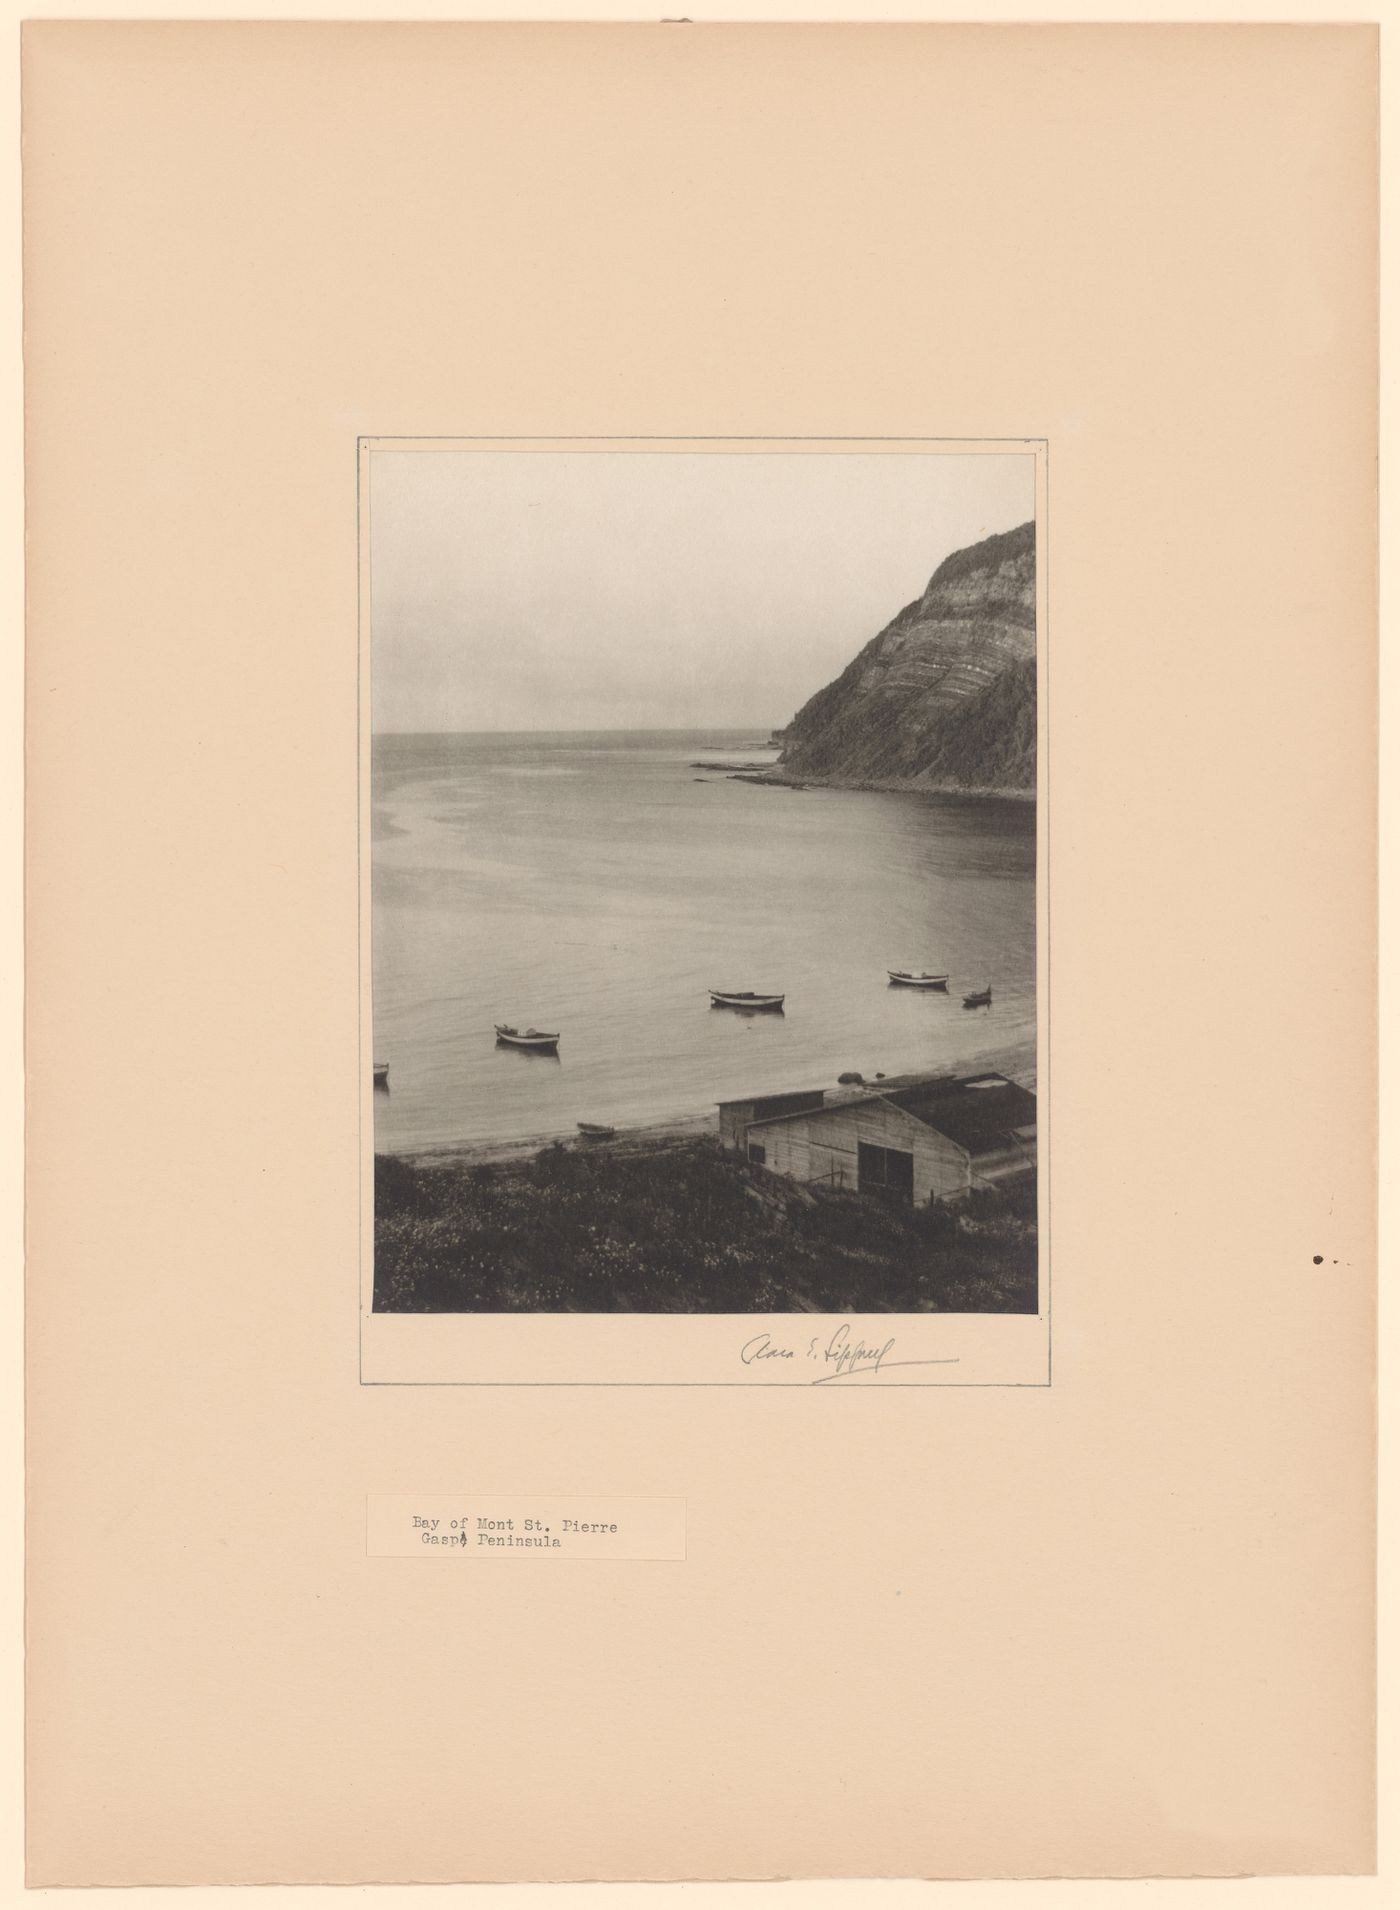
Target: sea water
<point x="598" y="885"/>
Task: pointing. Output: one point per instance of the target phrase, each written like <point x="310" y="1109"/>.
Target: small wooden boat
<point x="531" y="1038"/>
<point x="381" y="1074"/>
<point x="906" y="978"/>
<point x="594" y="1131"/>
<point x="743" y="998"/>
<point x="983" y="999"/>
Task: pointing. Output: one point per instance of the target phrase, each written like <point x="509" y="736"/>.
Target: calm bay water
<point x="590" y="883"/>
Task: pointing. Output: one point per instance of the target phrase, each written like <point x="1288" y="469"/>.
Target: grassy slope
<point x="684" y="1229"/>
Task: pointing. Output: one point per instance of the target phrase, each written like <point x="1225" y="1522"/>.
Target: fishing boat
<point x="595" y="1131"/>
<point x="907" y="978"/>
<point x="531" y="1038"/>
<point x="381" y="1074"/>
<point x="983" y="999"/>
<point x="743" y="998"/>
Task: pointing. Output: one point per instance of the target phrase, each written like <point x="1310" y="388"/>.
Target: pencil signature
<point x="840" y="1357"/>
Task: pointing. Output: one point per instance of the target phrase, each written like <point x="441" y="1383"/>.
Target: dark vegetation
<point x="1004" y="548"/>
<point x="680" y="1227"/>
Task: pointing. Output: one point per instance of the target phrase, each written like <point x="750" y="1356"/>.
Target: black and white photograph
<point x="702" y="869"/>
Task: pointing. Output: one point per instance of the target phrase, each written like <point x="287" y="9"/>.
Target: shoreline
<point x="645" y="1137"/>
<point x="896" y="785"/>
<point x="1016" y="1060"/>
<point x="774" y="776"/>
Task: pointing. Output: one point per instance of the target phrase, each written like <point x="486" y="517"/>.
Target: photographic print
<point x="703" y="804"/>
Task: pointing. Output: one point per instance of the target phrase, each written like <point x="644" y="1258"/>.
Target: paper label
<point x="465" y="1525"/>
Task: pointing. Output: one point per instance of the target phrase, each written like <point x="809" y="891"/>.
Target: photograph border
<point x="717" y="444"/>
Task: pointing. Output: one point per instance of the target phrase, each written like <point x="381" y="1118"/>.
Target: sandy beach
<point x="1017" y="1062"/>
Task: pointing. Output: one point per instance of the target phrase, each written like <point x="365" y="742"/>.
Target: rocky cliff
<point x="944" y="697"/>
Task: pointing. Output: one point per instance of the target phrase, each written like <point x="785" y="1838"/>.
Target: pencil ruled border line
<point x="371" y="441"/>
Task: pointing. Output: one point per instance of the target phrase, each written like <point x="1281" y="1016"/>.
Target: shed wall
<point x="823" y="1147"/>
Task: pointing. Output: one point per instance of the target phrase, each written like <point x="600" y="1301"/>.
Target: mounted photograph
<point x="701" y="880"/>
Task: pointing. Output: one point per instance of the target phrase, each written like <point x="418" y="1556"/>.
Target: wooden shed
<point x="917" y="1138"/>
<point x="736" y="1117"/>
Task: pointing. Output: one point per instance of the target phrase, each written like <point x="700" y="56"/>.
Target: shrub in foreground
<point x="683" y="1228"/>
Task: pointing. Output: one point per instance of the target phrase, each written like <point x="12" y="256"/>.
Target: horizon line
<point x="591" y="729"/>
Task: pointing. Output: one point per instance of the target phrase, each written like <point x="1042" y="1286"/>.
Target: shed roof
<point x="977" y="1111"/>
<point x="769" y="1094"/>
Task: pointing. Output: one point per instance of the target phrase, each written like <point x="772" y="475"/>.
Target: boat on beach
<point x="909" y="978"/>
<point x="595" y="1131"/>
<point x="531" y="1038"/>
<point x="982" y="999"/>
<point x="743" y="998"/>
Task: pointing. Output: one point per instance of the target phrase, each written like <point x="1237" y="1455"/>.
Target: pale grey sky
<point x="519" y="590"/>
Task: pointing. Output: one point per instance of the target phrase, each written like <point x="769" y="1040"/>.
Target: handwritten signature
<point x="840" y="1357"/>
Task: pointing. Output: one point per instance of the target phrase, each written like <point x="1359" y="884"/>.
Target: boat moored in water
<point x="908" y="978"/>
<point x="982" y="999"/>
<point x="743" y="998"/>
<point x="531" y="1038"/>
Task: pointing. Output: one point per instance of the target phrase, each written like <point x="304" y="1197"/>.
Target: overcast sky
<point x="519" y="590"/>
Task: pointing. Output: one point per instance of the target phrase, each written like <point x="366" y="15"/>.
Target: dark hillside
<point x="945" y="696"/>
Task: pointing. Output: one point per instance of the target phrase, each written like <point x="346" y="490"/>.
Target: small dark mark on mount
<point x="1317" y="1259"/>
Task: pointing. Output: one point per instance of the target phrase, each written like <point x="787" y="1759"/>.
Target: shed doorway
<point x="886" y="1170"/>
